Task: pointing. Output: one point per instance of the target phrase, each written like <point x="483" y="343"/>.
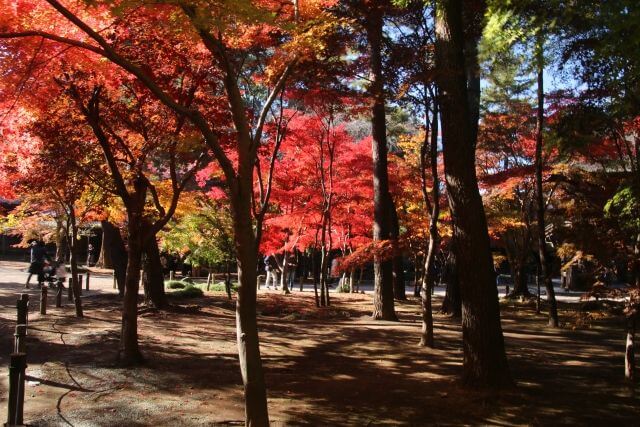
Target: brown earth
<point x="323" y="366"/>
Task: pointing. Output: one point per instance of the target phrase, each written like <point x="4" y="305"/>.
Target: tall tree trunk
<point x="153" y="278"/>
<point x="540" y="206"/>
<point x="485" y="361"/>
<point x="255" y="392"/>
<point x="434" y="240"/>
<point x="383" y="303"/>
<point x="73" y="261"/>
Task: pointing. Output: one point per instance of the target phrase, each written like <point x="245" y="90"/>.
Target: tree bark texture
<point x="129" y="350"/>
<point x="484" y="362"/>
<point x="255" y="393"/>
<point x="383" y="300"/>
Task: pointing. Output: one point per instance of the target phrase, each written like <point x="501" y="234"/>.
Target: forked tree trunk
<point x="540" y="205"/>
<point x="383" y="299"/>
<point x="484" y="362"/>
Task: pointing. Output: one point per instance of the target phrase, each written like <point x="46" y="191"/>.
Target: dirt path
<point x="323" y="367"/>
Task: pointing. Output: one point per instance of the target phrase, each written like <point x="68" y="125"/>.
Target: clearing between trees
<point x="329" y="366"/>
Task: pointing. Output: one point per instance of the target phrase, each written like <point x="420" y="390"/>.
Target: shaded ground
<point x="323" y="367"/>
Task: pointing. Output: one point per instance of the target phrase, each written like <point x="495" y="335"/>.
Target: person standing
<point x="90" y="250"/>
<point x="38" y="256"/>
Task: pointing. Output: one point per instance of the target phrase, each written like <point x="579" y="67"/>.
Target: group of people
<point x="275" y="265"/>
<point x="43" y="266"/>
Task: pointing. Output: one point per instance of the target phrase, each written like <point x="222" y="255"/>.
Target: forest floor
<point x="326" y="367"/>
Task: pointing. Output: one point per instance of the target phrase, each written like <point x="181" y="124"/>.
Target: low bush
<point x="174" y="284"/>
<point x="188" y="291"/>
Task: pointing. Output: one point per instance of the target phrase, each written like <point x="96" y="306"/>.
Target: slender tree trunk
<point x="434" y="241"/>
<point x="399" y="290"/>
<point x="485" y="362"/>
<point x="383" y="301"/>
<point x="153" y="279"/>
<point x="73" y="261"/>
<point x="427" y="285"/>
<point x="284" y="282"/>
<point x="352" y="280"/>
<point x="315" y="274"/>
<point x="227" y="278"/>
<point x="416" y="276"/>
<point x="540" y="206"/>
<point x="255" y="392"/>
<point x="129" y="350"/>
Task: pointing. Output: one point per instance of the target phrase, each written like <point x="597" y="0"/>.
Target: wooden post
<point x="59" y="295"/>
<point x="20" y="339"/>
<point x="209" y="280"/>
<point x="172" y="275"/>
<point x="115" y="281"/>
<point x="70" y="289"/>
<point x="80" y="284"/>
<point x="43" y="300"/>
<point x="506" y="290"/>
<point x="23" y="309"/>
<point x="17" y="367"/>
<point x="86" y="284"/>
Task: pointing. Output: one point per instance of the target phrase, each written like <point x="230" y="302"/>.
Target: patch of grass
<point x="188" y="291"/>
<point x="174" y="284"/>
<point x="217" y="287"/>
